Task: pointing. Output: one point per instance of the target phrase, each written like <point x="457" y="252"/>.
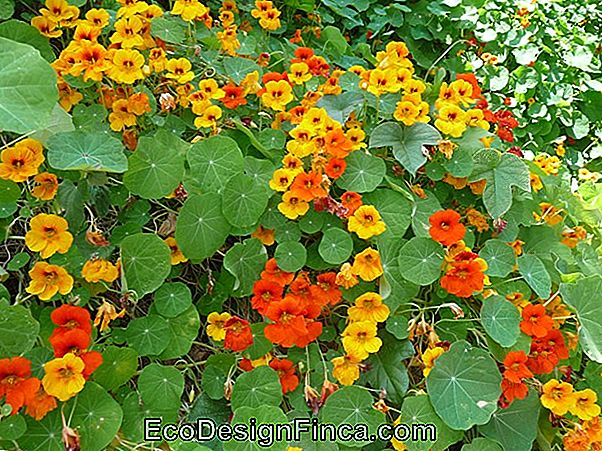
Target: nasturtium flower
<point x="346" y="369"/>
<point x="286" y="373"/>
<point x="585" y="404"/>
<point x="292" y="206"/>
<point x="558" y="397"/>
<point x="270" y="19"/>
<point x="277" y="95"/>
<point x="48" y="280"/>
<point x="105" y="314"/>
<point x="64" y="377"/>
<point x="98" y="17"/>
<point x="40" y="404"/>
<point x="229" y="40"/>
<point x="128" y="33"/>
<point x="210" y="90"/>
<point x="572" y="237"/>
<point x="367" y="265"/>
<point x="451" y="120"/>
<point x="428" y="358"/>
<point x="48" y="235"/>
<point x="46" y="187"/>
<point x="366" y="222"/>
<point x="299" y="73"/>
<point x="120" y="116"/>
<point x="446" y="227"/>
<point x="16" y="384"/>
<point x="266" y="236"/>
<point x="369" y="307"/>
<point x="360" y="339"/>
<point x="59" y="11"/>
<point x="382" y="81"/>
<point x="189" y="10"/>
<point x="215" y="325"/>
<point x="345" y="277"/>
<point x="69" y="317"/>
<point x="176" y="255"/>
<point x="97" y="269"/>
<point x="21" y="161"/>
<point x="465" y="276"/>
<point x="179" y="69"/>
<point x="477" y="219"/>
<point x="549" y="213"/>
<point x="126" y="66"/>
<point x="86" y="32"/>
<point x="273" y="273"/>
<point x="308" y="186"/>
<point x="516" y="368"/>
<point x="282" y="179"/>
<point x="475" y="118"/>
<point x="207" y="115"/>
<point x="535" y="322"/>
<point x="406" y="112"/>
<point x="238" y="334"/>
<point x="351" y="201"/>
<point x="264" y="293"/>
<point x="514" y="390"/>
<point x="46" y="26"/>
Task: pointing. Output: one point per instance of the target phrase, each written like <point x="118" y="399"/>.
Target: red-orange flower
<point x="264" y="293"/>
<point x="286" y="373"/>
<point x="337" y="144"/>
<point x="290" y="326"/>
<point x="307" y="186"/>
<point x="335" y="168"/>
<point x="351" y="201"/>
<point x="16" y="383"/>
<point x="514" y="390"/>
<point x="463" y="278"/>
<point x="446" y="227"/>
<point x="75" y="341"/>
<point x="274" y="274"/>
<point x="535" y="322"/>
<point x="40" y="404"/>
<point x="69" y="317"/>
<point x="546" y="352"/>
<point x="516" y="368"/>
<point x="238" y="334"/>
<point x="326" y="290"/>
<point x="234" y="96"/>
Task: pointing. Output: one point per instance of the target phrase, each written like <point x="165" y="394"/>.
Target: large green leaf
<point x="501" y="173"/>
<point x="18" y="330"/>
<point x="118" y="366"/>
<point x="420" y="260"/>
<point x="244" y="201"/>
<point x="43" y="435"/>
<point x="24" y="33"/>
<point x="364" y="172"/>
<point x="157" y="166"/>
<point x="584" y="297"/>
<point x="395" y="209"/>
<point x="335" y="246"/>
<point x="407" y="142"/>
<point x="245" y="261"/>
<point x="148" y="334"/>
<point x="201" y="228"/>
<point x="499" y="256"/>
<point x="86" y="151"/>
<point x="260" y="387"/>
<point x="535" y="273"/>
<point x="264" y="414"/>
<point x="515" y="427"/>
<point x="28" y="90"/>
<point x="352" y="405"/>
<point x="12" y="427"/>
<point x="418" y="410"/>
<point x="501" y="320"/>
<point x="96" y="416"/>
<point x="213" y="161"/>
<point x="482" y="444"/>
<point x="160" y="386"/>
<point x="172" y="299"/>
<point x="146" y="262"/>
<point x="464" y="386"/>
<point x="183" y="330"/>
<point x="169" y="29"/>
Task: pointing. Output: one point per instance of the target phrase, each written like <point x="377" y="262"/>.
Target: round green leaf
<point x="420" y="261"/>
<point x="499" y="256"/>
<point x="397" y="325"/>
<point x="501" y="320"/>
<point x="460" y="164"/>
<point x="148" y="335"/>
<point x="9" y="195"/>
<point x="160" y="386"/>
<point x="418" y="410"/>
<point x="212" y="381"/>
<point x="24" y="33"/>
<point x="244" y="201"/>
<point x="364" y="172"/>
<point x="535" y="273"/>
<point x="312" y="221"/>
<point x="213" y="161"/>
<point x="464" y="386"/>
<point x="423" y="209"/>
<point x="290" y="256"/>
<point x="171" y="299"/>
<point x="157" y="166"/>
<point x="43" y="435"/>
<point x="12" y="427"/>
<point x="516" y="426"/>
<point x="146" y="262"/>
<point x="258" y="387"/>
<point x="86" y="151"/>
<point x="28" y="90"/>
<point x="169" y="29"/>
<point x="96" y="416"/>
<point x="482" y="444"/>
<point x="261" y="415"/>
<point x="245" y="261"/>
<point x="271" y="138"/>
<point x="18" y="329"/>
<point x="288" y="231"/>
<point x="395" y="209"/>
<point x="352" y="405"/>
<point x="183" y="329"/>
<point x="118" y="366"/>
<point x="335" y="246"/>
<point x="260" y="170"/>
<point x="201" y="228"/>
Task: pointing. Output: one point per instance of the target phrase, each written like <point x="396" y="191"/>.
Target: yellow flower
<point x="178" y="69"/>
<point x="367" y="265"/>
<point x="406" y="112"/>
<point x="60" y="12"/>
<point x="369" y="307"/>
<point x="383" y="81"/>
<point x="292" y="206"/>
<point x="189" y="9"/>
<point x="366" y="222"/>
<point x="451" y="120"/>
<point x="346" y="369"/>
<point x="105" y="314"/>
<point x="48" y="235"/>
<point x="266" y="236"/>
<point x="176" y="254"/>
<point x="208" y="115"/>
<point x="299" y="73"/>
<point x="548" y="164"/>
<point x="428" y="358"/>
<point x="270" y="19"/>
<point x="345" y="277"/>
<point x="128" y="33"/>
<point x="47" y="280"/>
<point x="585" y="404"/>
<point x="292" y="164"/>
<point x="277" y="95"/>
<point x="549" y="213"/>
<point x="282" y="179"/>
<point x="215" y="325"/>
<point x="463" y="90"/>
<point x="63" y="377"/>
<point x="46" y="187"/>
<point x="356" y="136"/>
<point x="558" y="397"/>
<point x="98" y="269"/>
<point x="46" y="26"/>
<point x="127" y="66"/>
<point x="359" y="338"/>
<point x="21" y="161"/>
<point x="447" y="96"/>
<point x="210" y="90"/>
<point x="98" y="17"/>
<point x="397" y="444"/>
<point x="536" y="183"/>
<point x="121" y="117"/>
<point x="228" y="40"/>
<point x="475" y="118"/>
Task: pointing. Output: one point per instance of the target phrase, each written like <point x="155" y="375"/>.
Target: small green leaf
<point x="213" y="161"/>
<point x="259" y="387"/>
<point x="534" y="272"/>
<point x="160" y="386"/>
<point x="146" y="262"/>
<point x="499" y="256"/>
<point x="290" y="256"/>
<point x="364" y="172"/>
<point x="12" y="427"/>
<point x="335" y="246"/>
<point x="245" y="261"/>
<point x="148" y="335"/>
<point x="18" y="329"/>
<point x="244" y="201"/>
<point x="501" y="320"/>
<point x="420" y="261"/>
<point x="212" y="381"/>
<point x="183" y="329"/>
<point x="169" y="29"/>
<point x="118" y="366"/>
<point x="171" y="299"/>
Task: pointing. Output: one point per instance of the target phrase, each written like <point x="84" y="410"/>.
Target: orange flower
<point x="40" y="404"/>
<point x="326" y="290"/>
<point x="21" y="161"/>
<point x="546" y="352"/>
<point x="266" y="236"/>
<point x="264" y="293"/>
<point x="335" y="168"/>
<point x="308" y="186"/>
<point x="75" y="341"/>
<point x="516" y="368"/>
<point x="97" y="269"/>
<point x="446" y="227"/>
<point x="535" y="322"/>
<point x="464" y="277"/>
<point x="351" y="201"/>
<point x="367" y="265"/>
<point x="514" y="390"/>
<point x="47" y="280"/>
<point x="345" y="277"/>
<point x="273" y="273"/>
<point x="337" y="144"/>
<point x="16" y="383"/>
<point x="290" y="327"/>
<point x="176" y="256"/>
<point x="234" y="96"/>
<point x="46" y="187"/>
<point x="69" y="317"/>
<point x="238" y="334"/>
<point x="48" y="235"/>
<point x="105" y="314"/>
<point x="64" y="378"/>
<point x="286" y="373"/>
